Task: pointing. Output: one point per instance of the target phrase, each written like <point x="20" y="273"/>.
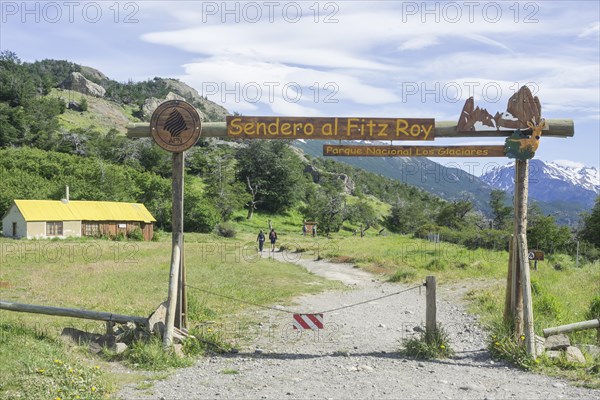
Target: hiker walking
<point x="261" y="240"/>
<point x="273" y="239"/>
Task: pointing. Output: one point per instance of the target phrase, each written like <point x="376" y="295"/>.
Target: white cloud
<point x="420" y="42"/>
<point x="591" y="30"/>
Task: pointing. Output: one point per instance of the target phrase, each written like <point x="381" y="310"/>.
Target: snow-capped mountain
<point x="551" y="181"/>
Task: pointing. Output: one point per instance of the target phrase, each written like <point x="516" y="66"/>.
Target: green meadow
<point x="132" y="278"/>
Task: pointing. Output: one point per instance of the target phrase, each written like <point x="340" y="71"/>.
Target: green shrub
<point x="151" y="356"/>
<point x="119" y="237"/>
<point x="136" y="234"/>
<point x="593" y="311"/>
<point x="225" y="229"/>
<point x="503" y="346"/>
<point x="436" y="265"/>
<point x="431" y="344"/>
<point x="403" y="275"/>
<point x="156" y="235"/>
<point x="547" y="306"/>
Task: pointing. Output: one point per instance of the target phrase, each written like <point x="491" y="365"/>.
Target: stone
<point x="156" y="320"/>
<point x="77" y="82"/>
<point x="539" y="345"/>
<point x="418" y="329"/>
<point x="93" y="74"/>
<point x="590" y="349"/>
<point x="575" y="355"/>
<point x="259" y="351"/>
<point x="178" y="349"/>
<point x="557" y="342"/>
<point x="152" y="103"/>
<point x="472" y="386"/>
<point x="552" y="354"/>
<point x="381" y="326"/>
<point x="118" y="348"/>
<point x="558" y="385"/>
<point x="75" y="106"/>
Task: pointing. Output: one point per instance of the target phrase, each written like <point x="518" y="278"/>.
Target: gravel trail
<point x="355" y="357"/>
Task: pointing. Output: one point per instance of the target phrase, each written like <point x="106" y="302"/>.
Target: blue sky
<point x="340" y="58"/>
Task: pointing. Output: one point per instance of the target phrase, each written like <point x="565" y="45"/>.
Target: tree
<point x="591" y="225"/>
<point x="326" y="204"/>
<point x="500" y="211"/>
<point x="362" y="213"/>
<point x="406" y="217"/>
<point x="544" y="234"/>
<point x="276" y="171"/>
<point x="453" y="214"/>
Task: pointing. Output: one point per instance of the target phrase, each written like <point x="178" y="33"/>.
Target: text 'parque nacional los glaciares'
<point x="413" y="151"/>
<point x="331" y="128"/>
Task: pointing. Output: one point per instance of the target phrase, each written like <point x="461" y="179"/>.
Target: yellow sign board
<point x="330" y="128"/>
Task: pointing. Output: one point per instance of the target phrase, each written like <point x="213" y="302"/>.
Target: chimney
<point x="66" y="199"/>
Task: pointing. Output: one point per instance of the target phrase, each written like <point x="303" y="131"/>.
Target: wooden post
<point x="71" y="312"/>
<point x="181" y="309"/>
<point x="521" y="189"/>
<point x="177" y="244"/>
<point x="430" y="306"/>
<point x="517" y="293"/>
<point x="578" y="326"/>
<point x="509" y="286"/>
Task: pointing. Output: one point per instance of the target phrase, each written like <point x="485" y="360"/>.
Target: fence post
<point x="430" y="307"/>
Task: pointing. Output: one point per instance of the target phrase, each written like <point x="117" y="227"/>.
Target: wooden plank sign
<point x="175" y="126"/>
<point x="413" y="151"/>
<point x="330" y="128"/>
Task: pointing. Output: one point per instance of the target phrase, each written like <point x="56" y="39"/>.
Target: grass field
<point x="123" y="277"/>
<point x="132" y="278"/>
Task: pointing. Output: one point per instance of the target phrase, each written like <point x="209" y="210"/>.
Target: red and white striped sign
<point x="308" y="321"/>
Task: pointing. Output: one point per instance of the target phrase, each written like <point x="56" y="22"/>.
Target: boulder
<point x="156" y="320"/>
<point x="75" y="106"/>
<point x="93" y="73"/>
<point x="590" y="349"/>
<point x="552" y="354"/>
<point x="575" y="355"/>
<point x="152" y="104"/>
<point x="118" y="348"/>
<point x="77" y="82"/>
<point x="539" y="345"/>
<point x="557" y="342"/>
<point x="317" y="175"/>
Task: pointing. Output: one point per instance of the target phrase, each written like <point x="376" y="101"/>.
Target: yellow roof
<point x="74" y="210"/>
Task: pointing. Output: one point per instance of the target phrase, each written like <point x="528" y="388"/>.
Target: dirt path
<point x="355" y="356"/>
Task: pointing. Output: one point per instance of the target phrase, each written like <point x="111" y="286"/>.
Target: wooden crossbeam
<point x="443" y="129"/>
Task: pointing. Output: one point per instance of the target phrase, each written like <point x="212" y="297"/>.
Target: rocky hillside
<point x="110" y="104"/>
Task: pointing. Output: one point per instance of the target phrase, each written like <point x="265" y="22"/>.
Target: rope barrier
<point x="294" y="312"/>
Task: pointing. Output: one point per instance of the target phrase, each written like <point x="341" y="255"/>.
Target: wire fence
<point x="283" y="310"/>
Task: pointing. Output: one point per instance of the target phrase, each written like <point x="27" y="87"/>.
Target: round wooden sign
<point x="175" y="126"/>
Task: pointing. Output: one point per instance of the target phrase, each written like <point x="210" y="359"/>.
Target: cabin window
<point x="91" y="229"/>
<point x="54" y="228"/>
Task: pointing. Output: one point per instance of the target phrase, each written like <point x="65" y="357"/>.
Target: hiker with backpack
<point x="261" y="240"/>
<point x="273" y="239"/>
